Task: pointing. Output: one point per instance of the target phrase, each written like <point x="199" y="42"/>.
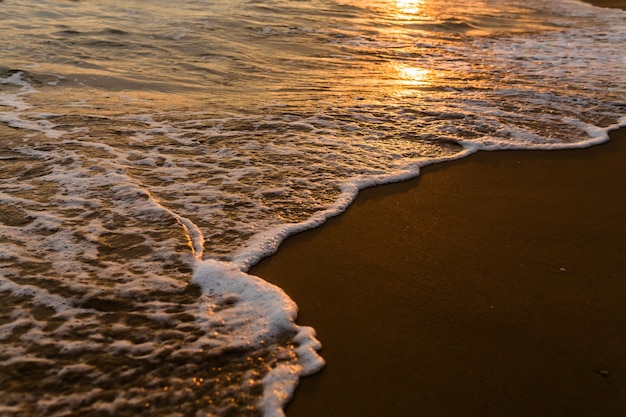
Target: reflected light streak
<point x="414" y="76"/>
<point x="398" y="70"/>
<point x="410" y="7"/>
<point x="411" y="81"/>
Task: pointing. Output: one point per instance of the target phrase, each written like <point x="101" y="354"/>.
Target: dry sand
<point x="489" y="286"/>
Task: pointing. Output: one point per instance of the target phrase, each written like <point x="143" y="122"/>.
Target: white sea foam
<point x="17" y="100"/>
<point x="261" y="312"/>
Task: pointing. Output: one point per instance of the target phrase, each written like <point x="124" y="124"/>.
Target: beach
<point x="488" y="286"/>
<point x="154" y="154"/>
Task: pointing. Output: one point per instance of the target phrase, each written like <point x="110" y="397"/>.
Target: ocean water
<point x="152" y="151"/>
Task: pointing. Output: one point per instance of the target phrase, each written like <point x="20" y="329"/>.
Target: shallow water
<point x="151" y="152"/>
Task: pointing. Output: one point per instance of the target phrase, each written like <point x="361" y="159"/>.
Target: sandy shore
<point x="490" y="286"/>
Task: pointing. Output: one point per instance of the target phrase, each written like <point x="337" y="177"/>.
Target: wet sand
<point x="489" y="286"/>
<point x="609" y="3"/>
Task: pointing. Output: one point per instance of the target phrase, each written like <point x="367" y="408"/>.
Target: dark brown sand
<point x="609" y="3"/>
<point x="489" y="286"/>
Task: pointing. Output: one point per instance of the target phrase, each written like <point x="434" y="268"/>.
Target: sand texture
<point x="489" y="286"/>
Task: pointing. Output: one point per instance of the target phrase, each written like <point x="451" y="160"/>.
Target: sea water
<point x="152" y="151"/>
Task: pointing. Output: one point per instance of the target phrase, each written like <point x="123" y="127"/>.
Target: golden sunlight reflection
<point x="398" y="10"/>
<point x="414" y="76"/>
<point x="409" y="6"/>
<point x="396" y="66"/>
<point x="410" y="81"/>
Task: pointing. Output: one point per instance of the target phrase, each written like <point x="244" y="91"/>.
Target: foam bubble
<point x="260" y="312"/>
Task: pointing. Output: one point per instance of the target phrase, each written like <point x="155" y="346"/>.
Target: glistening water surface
<point x="152" y="151"/>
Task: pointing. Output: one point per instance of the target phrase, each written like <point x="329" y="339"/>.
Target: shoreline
<point x="488" y="286"/>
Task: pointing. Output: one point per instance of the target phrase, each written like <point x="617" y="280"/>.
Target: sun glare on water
<point x="409" y="7"/>
<point x="397" y="71"/>
<point x="414" y="76"/>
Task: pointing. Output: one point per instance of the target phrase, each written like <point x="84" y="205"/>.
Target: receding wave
<point x="152" y="152"/>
